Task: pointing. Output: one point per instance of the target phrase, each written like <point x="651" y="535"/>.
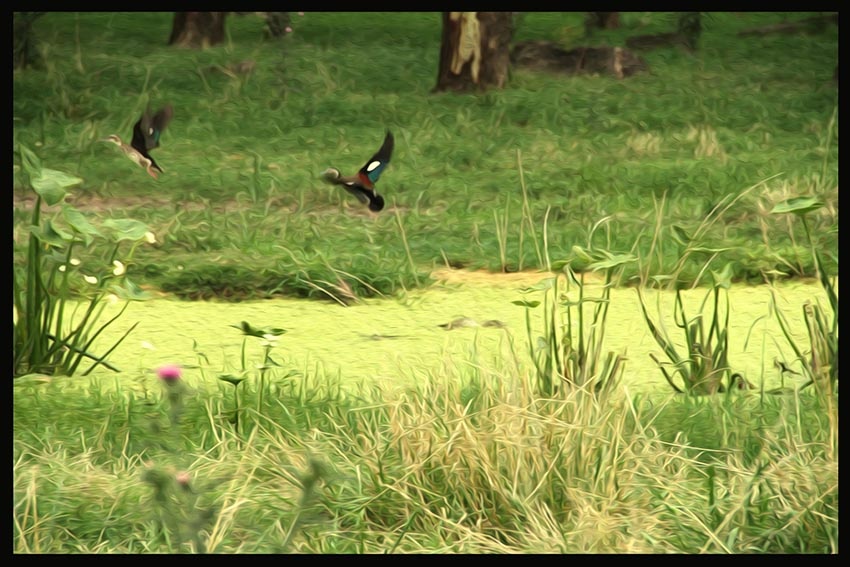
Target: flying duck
<point x="362" y="185"/>
<point x="146" y="133"/>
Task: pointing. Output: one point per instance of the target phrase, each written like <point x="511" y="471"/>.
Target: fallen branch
<point x="815" y="23"/>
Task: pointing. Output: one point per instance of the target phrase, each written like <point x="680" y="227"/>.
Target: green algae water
<point x="399" y="341"/>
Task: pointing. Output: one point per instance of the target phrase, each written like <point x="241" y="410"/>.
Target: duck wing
<point x="373" y="168"/>
<point x="148" y="129"/>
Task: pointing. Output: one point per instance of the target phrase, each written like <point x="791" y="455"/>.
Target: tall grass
<point x="470" y="461"/>
<point x="569" y="352"/>
<point x="820" y="360"/>
<point x="704" y="366"/>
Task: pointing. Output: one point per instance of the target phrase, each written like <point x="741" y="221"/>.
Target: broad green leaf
<point x="528" y="304"/>
<point x="542" y="285"/>
<point x="29" y="161"/>
<point x="723" y="278"/>
<point x="58" y="256"/>
<point x="51" y="184"/>
<point x="127" y="229"/>
<point x="51" y="235"/>
<point x="80" y="223"/>
<point x="582" y="254"/>
<point x="613" y="261"/>
<point x="798" y="206"/>
<point x="52" y="195"/>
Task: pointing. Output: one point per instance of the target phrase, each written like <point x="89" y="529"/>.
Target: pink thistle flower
<point x="287" y="29"/>
<point x="183" y="478"/>
<point x="169" y="373"/>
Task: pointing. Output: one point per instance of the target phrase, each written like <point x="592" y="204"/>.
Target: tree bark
<point x="690" y="28"/>
<point x="197" y="29"/>
<point x="475" y="51"/>
<point x="24" y="53"/>
<point x="601" y="20"/>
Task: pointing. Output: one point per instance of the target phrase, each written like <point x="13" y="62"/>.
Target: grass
<point x="241" y="212"/>
<point x="471" y="461"/>
<point x="669" y="168"/>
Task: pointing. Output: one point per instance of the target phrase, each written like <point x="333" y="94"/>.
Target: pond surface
<point x="400" y="340"/>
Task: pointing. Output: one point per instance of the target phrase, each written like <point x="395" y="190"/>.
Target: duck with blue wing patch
<point x="146" y="133"/>
<point x="362" y="185"/>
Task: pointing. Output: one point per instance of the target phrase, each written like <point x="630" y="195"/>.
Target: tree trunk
<point x="24" y="53"/>
<point x="475" y="51"/>
<point x="197" y="29"/>
<point x="690" y="28"/>
<point x="601" y="20"/>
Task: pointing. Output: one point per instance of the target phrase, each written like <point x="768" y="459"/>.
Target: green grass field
<point x="475" y="458"/>
<point x="242" y="212"/>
